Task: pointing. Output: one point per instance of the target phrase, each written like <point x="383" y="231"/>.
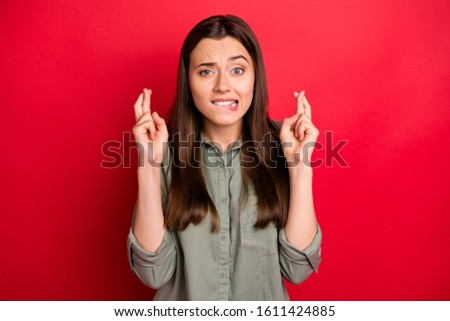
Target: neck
<point x="222" y="136"/>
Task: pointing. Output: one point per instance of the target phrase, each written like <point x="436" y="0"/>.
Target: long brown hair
<point x="188" y="198"/>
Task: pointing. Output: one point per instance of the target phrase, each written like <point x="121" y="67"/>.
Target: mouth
<point x="230" y="104"/>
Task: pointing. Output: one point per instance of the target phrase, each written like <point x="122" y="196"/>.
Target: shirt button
<point x="223" y="275"/>
<point x="223" y="237"/>
<point x="223" y="199"/>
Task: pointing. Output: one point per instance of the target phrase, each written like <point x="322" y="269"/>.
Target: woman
<point x="226" y="210"/>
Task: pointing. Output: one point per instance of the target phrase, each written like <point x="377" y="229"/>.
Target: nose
<point x="222" y="83"/>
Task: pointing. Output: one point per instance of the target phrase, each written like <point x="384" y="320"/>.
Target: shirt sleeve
<point x="154" y="269"/>
<point x="296" y="265"/>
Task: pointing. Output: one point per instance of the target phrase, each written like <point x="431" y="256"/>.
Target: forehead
<point x="215" y="50"/>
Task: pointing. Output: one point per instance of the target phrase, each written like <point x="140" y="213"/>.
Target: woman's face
<point x="221" y="78"/>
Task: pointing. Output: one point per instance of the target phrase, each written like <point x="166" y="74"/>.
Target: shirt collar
<point x="235" y="145"/>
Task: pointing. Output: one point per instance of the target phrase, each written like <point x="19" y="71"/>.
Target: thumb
<point x="159" y="122"/>
<point x="287" y="124"/>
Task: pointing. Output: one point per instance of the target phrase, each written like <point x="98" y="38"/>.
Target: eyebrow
<point x="211" y="64"/>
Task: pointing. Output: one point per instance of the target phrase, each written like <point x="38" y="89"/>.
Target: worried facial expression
<point x="221" y="78"/>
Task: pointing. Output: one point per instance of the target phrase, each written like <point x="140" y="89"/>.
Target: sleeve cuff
<point x="140" y="257"/>
<point x="309" y="255"/>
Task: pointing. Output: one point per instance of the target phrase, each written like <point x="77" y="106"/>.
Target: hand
<point x="150" y="131"/>
<point x="298" y="134"/>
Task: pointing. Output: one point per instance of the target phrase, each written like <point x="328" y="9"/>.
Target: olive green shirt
<point x="237" y="263"/>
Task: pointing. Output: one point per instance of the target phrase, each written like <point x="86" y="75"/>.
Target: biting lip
<point x="225" y="102"/>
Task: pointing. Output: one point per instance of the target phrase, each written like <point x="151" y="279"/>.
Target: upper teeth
<point x="225" y="103"/>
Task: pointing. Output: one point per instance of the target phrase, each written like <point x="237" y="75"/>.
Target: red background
<point x="376" y="74"/>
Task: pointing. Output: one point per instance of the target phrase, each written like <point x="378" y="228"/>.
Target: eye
<point x="238" y="71"/>
<point x="205" y="72"/>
